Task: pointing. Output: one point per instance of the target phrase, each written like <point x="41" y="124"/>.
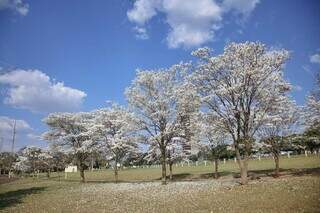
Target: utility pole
<point x="13" y="135"/>
<point x="12" y="148"/>
<point x="1" y="143"/>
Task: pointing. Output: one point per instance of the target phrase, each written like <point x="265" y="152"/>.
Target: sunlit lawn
<point x="289" y="193"/>
<point x="193" y="171"/>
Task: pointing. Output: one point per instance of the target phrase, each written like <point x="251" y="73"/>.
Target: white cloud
<point x="297" y="88"/>
<point x="192" y="22"/>
<point x="243" y="7"/>
<point x="306" y="68"/>
<point x="6" y="124"/>
<point x="141" y="33"/>
<point x="16" y="5"/>
<point x="33" y="136"/>
<point x="142" y="11"/>
<point x="24" y="134"/>
<point x="315" y="58"/>
<point x="35" y="91"/>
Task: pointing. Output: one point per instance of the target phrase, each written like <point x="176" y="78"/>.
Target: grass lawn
<point x="297" y="190"/>
<point x="195" y="172"/>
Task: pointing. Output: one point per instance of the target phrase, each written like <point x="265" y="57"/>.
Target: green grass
<point x="297" y="192"/>
<point x="192" y="171"/>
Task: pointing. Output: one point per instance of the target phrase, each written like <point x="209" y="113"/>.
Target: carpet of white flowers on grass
<point x="147" y="197"/>
<point x="174" y="187"/>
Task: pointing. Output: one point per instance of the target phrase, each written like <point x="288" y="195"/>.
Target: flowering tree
<point x="116" y="127"/>
<point x="29" y="160"/>
<point x="152" y="96"/>
<point x="21" y="165"/>
<point x="239" y="87"/>
<point x="214" y="141"/>
<point x="311" y="135"/>
<point x="313" y="111"/>
<point x="188" y="109"/>
<point x="73" y="133"/>
<point x="312" y="115"/>
<point x="46" y="161"/>
<point x="188" y="114"/>
<point x="59" y="160"/>
<point x="6" y="161"/>
<point x="174" y="153"/>
<point x="279" y="124"/>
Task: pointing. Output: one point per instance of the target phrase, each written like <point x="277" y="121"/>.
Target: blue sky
<point x="86" y="52"/>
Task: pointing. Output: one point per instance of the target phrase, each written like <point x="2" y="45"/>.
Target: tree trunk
<point x="244" y="173"/>
<point x="48" y="173"/>
<point x="116" y="172"/>
<point x="34" y="169"/>
<point x="277" y="162"/>
<point x="91" y="163"/>
<point x="170" y="169"/>
<point x="216" y="175"/>
<point x="164" y="169"/>
<point x="243" y="165"/>
<point x="83" y="180"/>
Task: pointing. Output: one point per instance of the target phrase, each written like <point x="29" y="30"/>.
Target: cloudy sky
<point x="75" y="55"/>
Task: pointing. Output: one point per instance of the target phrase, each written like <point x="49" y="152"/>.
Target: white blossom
<point x="157" y="98"/>
<point x="239" y="88"/>
<point x="116" y="127"/>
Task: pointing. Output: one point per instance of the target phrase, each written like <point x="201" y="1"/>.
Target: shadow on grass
<point x="12" y="198"/>
<point x="6" y="179"/>
<point x="190" y="177"/>
<point x="254" y="174"/>
<point x="211" y="175"/>
<point x="310" y="171"/>
<point x="177" y="177"/>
